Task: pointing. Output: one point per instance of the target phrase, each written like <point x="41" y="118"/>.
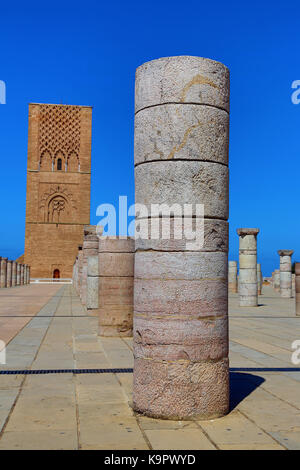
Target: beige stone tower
<point x="58" y="187"/>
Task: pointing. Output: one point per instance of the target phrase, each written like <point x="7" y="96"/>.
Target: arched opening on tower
<point x="59" y="164"/>
<point x="56" y="274"/>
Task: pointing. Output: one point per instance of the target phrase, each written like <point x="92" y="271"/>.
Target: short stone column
<point x="276" y="284"/>
<point x="293" y="284"/>
<point x="116" y="266"/>
<point x="14" y="274"/>
<point x="285" y="272"/>
<point x="89" y="248"/>
<point x="248" y="267"/>
<point x="18" y="274"/>
<point x="25" y="274"/>
<point x="22" y="275"/>
<point x="92" y="295"/>
<point x="259" y="279"/>
<point x="297" y="288"/>
<point x="9" y="273"/>
<point x="181" y="288"/>
<point x="3" y="272"/>
<point x="232" y="276"/>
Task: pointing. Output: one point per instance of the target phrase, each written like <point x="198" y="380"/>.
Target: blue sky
<point x="86" y="53"/>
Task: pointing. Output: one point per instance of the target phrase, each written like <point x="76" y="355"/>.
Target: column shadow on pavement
<point x="242" y="385"/>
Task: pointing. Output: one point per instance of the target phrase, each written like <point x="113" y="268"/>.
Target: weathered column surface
<point x="259" y="278"/>
<point x="3" y="272"/>
<point x="9" y="273"/>
<point x="180" y="296"/>
<point x="232" y="276"/>
<point x="276" y="284"/>
<point x="248" y="266"/>
<point x="14" y="274"/>
<point x="89" y="248"/>
<point x="293" y="284"/>
<point x="29" y="274"/>
<point x="285" y="272"/>
<point x="25" y="274"/>
<point x="92" y="295"/>
<point x="116" y="265"/>
<point x="18" y="274"/>
<point x="22" y="275"/>
<point x="297" y="288"/>
<point x="80" y="258"/>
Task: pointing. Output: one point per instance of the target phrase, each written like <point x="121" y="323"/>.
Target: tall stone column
<point x="285" y="272"/>
<point x="29" y="275"/>
<point x="18" y="274"/>
<point x="9" y="273"/>
<point x="297" y="288"/>
<point x="92" y="295"/>
<point x="22" y="275"/>
<point x="25" y="274"/>
<point x="259" y="279"/>
<point x="232" y="276"/>
<point x="14" y="274"/>
<point x="248" y="267"/>
<point x="277" y="280"/>
<point x="181" y="288"/>
<point x="89" y="248"/>
<point x="3" y="272"/>
<point x="116" y="264"/>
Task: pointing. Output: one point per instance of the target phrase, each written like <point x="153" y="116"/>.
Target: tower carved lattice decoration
<point x="57" y="205"/>
<point x="59" y="132"/>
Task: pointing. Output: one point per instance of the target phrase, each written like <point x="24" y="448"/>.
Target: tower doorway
<point x="56" y="274"/>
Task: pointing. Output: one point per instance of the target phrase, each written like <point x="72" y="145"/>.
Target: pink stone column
<point x="25" y="274"/>
<point x="297" y="288"/>
<point x="14" y="274"/>
<point x="180" y="291"/>
<point x="80" y="258"/>
<point x="22" y="275"/>
<point x="259" y="279"/>
<point x="116" y="264"/>
<point x="9" y="273"/>
<point x="18" y="274"/>
<point x="89" y="248"/>
<point x="3" y="272"/>
<point x="285" y="272"/>
<point x="232" y="276"/>
<point x="276" y="284"/>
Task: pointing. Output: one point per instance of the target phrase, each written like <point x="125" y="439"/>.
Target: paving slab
<point x="94" y="411"/>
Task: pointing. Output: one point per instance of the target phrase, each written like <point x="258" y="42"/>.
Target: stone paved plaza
<point x="48" y="328"/>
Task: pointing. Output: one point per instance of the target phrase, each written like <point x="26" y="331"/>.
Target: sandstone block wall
<point x="58" y="195"/>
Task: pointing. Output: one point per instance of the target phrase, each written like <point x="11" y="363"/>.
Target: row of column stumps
<point x="103" y="278"/>
<point x="180" y="296"/>
<point x="13" y="274"/>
